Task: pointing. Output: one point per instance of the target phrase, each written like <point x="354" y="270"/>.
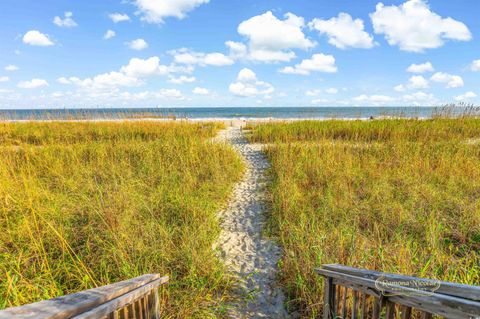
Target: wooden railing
<point x="132" y="299"/>
<point x="359" y="293"/>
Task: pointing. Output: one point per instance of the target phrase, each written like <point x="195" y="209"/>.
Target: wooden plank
<point x="338" y="298"/>
<point x="377" y="308"/>
<point x="364" y="307"/>
<point x="390" y="313"/>
<point x="426" y="315"/>
<point x="344" y="303"/>
<point x="120" y="302"/>
<point x="355" y="286"/>
<point x="443" y="305"/>
<point x="406" y="312"/>
<point x="74" y="304"/>
<point x="446" y="288"/>
<point x="329" y="299"/>
<point x="138" y="309"/>
<point x="354" y="305"/>
<point x="156" y="304"/>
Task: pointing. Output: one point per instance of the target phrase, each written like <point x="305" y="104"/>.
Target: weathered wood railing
<point x="132" y="299"/>
<point x="359" y="293"/>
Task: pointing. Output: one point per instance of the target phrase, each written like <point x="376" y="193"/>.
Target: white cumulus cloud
<point x="66" y="22"/>
<point x="331" y="91"/>
<point x="33" y="84"/>
<point x="414" y="27"/>
<point x="201" y="91"/>
<point x="318" y="63"/>
<point x="475" y="66"/>
<point x="452" y="81"/>
<point x="109" y="34"/>
<point x="420" y="98"/>
<point x="344" y="32"/>
<point x="247" y="85"/>
<point x="182" y="79"/>
<point x="139" y="68"/>
<point x="418" y="82"/>
<point x="271" y="39"/>
<point x="467" y="96"/>
<point x="130" y="75"/>
<point x="11" y="68"/>
<point x="155" y="11"/>
<point x="376" y="99"/>
<point x="421" y="68"/>
<point x="138" y="44"/>
<point x="4" y="79"/>
<point x="185" y="56"/>
<point x="35" y="37"/>
<point x="119" y="17"/>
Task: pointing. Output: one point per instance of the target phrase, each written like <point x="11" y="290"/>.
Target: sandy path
<point x="249" y="255"/>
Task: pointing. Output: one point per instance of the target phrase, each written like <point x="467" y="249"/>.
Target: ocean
<point x="221" y="113"/>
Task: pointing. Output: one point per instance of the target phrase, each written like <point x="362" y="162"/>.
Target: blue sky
<point x="148" y="53"/>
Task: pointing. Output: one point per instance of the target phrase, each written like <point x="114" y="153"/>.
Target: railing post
<point x="329" y="299"/>
<point x="156" y="305"/>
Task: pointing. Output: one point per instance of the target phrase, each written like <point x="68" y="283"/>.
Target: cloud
<point x="64" y="80"/>
<point x="185" y="56"/>
<point x="103" y="81"/>
<point x="331" y="91"/>
<point x="155" y="11"/>
<point x="318" y="63"/>
<point x="138" y="44"/>
<point x="375" y="99"/>
<point x="182" y="79"/>
<point x="452" y="81"/>
<point x="420" y="98"/>
<point x="11" y="68"/>
<point x="170" y="94"/>
<point x="109" y="34"/>
<point x="318" y="92"/>
<point x="66" y="22"/>
<point x="248" y="85"/>
<point x="418" y="82"/>
<point x="466" y="96"/>
<point x="271" y="39"/>
<point x="4" y="79"/>
<point x="129" y="75"/>
<point x="152" y="95"/>
<point x="421" y="68"/>
<point x="140" y="68"/>
<point x="238" y="50"/>
<point x="475" y="66"/>
<point x="321" y="101"/>
<point x="414" y="27"/>
<point x="33" y="84"/>
<point x="415" y="82"/>
<point x="344" y="32"/>
<point x="35" y="37"/>
<point x="201" y="91"/>
<point x="118" y="17"/>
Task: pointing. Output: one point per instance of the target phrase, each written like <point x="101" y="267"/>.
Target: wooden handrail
<point x="134" y="298"/>
<point x="347" y="289"/>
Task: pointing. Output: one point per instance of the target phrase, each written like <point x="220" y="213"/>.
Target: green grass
<point x="398" y="196"/>
<point x="87" y="204"/>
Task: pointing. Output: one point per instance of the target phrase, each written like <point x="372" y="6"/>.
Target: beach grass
<point x="84" y="204"/>
<point x="398" y="196"/>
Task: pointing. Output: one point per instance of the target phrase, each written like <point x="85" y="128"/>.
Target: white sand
<point x="248" y="254"/>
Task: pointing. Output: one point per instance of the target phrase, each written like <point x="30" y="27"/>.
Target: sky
<point x="174" y="53"/>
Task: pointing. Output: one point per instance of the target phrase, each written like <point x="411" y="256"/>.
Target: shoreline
<point x="214" y="119"/>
